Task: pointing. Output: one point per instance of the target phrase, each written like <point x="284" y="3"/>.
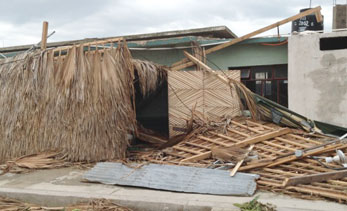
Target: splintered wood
<point x="198" y="150"/>
<point x="202" y="91"/>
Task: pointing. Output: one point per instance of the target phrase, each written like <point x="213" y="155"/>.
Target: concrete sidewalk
<point x="61" y="187"/>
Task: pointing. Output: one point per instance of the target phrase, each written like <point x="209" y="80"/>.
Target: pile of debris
<point x="288" y="161"/>
<point x="80" y="101"/>
<point x="7" y="204"/>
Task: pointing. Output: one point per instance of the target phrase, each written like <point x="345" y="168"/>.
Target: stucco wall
<point x="249" y="55"/>
<point x="233" y="56"/>
<point x="317" y="80"/>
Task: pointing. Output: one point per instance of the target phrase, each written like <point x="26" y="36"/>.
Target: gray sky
<point x="21" y="20"/>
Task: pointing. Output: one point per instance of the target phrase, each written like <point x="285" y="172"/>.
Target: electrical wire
<point x="326" y="166"/>
<point x="275" y="44"/>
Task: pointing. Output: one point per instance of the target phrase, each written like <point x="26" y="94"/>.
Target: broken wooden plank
<point x="264" y="137"/>
<point x="289" y="158"/>
<point x="200" y="63"/>
<point x="212" y="141"/>
<point x="224" y="136"/>
<point x="260" y="125"/>
<point x="186" y="150"/>
<point x="315" y="10"/>
<point x="310" y="153"/>
<point x="236" y="168"/>
<point x="198" y="157"/>
<point x="174" y="178"/>
<point x="246" y="127"/>
<point x="150" y="138"/>
<point x="238" y="132"/>
<point x="308" y="179"/>
<point x="319" y="192"/>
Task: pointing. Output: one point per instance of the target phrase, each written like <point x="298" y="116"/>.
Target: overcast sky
<point x="21" y="20"/>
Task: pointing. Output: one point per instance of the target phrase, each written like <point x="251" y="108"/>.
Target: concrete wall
<point x="317" y="80"/>
<point x="340" y="17"/>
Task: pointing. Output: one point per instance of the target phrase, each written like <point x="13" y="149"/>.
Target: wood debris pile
<point x="277" y="154"/>
<point x="7" y="204"/>
<point x="44" y="160"/>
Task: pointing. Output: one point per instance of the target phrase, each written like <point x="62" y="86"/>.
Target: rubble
<point x="271" y="162"/>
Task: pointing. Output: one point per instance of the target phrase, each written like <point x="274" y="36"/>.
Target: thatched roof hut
<point x="80" y="103"/>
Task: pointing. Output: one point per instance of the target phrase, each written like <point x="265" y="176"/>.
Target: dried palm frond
<point x="44" y="160"/>
<point x="7" y="204"/>
<point x="81" y="105"/>
<point x="150" y="75"/>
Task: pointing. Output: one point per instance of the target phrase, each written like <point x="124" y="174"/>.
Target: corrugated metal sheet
<point x="174" y="178"/>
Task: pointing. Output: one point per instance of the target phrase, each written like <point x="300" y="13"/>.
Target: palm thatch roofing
<point x="81" y="103"/>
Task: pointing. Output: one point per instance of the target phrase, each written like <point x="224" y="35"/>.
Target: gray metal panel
<point x="174" y="178"/>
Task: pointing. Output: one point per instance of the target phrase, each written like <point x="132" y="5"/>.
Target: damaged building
<point x="264" y="113"/>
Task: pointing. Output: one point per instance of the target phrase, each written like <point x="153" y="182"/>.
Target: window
<point x="333" y="43"/>
<point x="270" y="81"/>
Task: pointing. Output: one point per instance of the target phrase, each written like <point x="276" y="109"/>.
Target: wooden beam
<point x="290" y="158"/>
<point x="291" y="142"/>
<point x="315" y="10"/>
<point x="207" y="68"/>
<point x="212" y="141"/>
<point x="186" y="150"/>
<point x="319" y="192"/>
<point x="224" y="136"/>
<point x="264" y="137"/>
<point x="310" y="153"/>
<point x="238" y="132"/>
<point x="151" y="139"/>
<point x="238" y="165"/>
<point x="245" y="127"/>
<point x="182" y="66"/>
<point x="260" y="125"/>
<point x="99" y="42"/>
<point x="319" y="17"/>
<point x="308" y="179"/>
<point x="267" y="28"/>
<point x="198" y="157"/>
<point x="44" y="35"/>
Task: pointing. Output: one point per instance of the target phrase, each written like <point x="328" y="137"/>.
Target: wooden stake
<point x="44" y="35"/>
<point x="233" y="172"/>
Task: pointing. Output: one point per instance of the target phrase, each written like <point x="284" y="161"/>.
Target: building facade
<point x="317" y="75"/>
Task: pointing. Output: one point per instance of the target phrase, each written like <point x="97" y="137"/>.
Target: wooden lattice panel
<point x="188" y="89"/>
<point x="272" y="178"/>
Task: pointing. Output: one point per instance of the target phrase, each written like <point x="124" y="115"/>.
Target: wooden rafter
<point x="186" y="63"/>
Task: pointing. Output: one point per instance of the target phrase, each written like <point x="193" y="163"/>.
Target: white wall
<point x="317" y="86"/>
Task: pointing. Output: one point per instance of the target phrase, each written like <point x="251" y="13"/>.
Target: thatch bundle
<point x="150" y="75"/>
<point x="81" y="103"/>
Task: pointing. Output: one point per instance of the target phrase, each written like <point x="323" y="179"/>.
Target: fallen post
<point x="238" y="165"/>
<point x="186" y="63"/>
<point x="308" y="179"/>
